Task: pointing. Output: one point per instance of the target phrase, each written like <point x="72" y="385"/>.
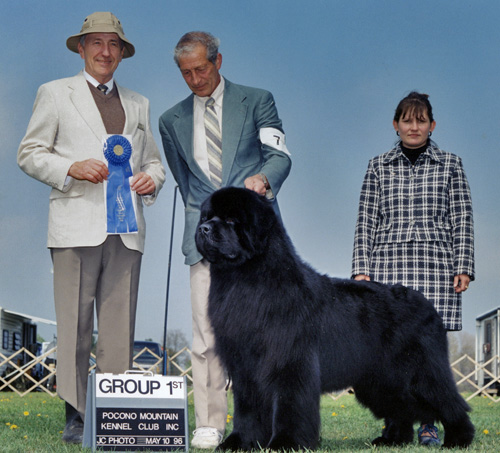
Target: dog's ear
<point x="260" y="222"/>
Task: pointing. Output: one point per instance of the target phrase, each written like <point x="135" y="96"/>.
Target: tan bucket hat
<point x="101" y="22"/>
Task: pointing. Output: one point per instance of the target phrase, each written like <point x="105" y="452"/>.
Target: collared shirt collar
<point x="94" y="82"/>
<point x="217" y="95"/>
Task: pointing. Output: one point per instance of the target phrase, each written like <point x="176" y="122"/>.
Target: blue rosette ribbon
<point x="119" y="204"/>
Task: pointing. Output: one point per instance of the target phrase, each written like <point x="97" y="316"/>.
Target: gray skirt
<point x="424" y="266"/>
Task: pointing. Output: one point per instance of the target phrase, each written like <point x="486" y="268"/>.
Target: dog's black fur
<point x="286" y="334"/>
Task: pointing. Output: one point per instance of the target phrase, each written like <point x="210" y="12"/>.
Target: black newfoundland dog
<point x="286" y="334"/>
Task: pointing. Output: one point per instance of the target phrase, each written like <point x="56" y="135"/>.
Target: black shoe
<point x="73" y="431"/>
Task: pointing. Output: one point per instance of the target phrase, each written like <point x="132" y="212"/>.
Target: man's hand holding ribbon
<point x="143" y="184"/>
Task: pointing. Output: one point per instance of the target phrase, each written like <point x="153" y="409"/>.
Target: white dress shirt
<point x="199" y="137"/>
<point x="95" y="83"/>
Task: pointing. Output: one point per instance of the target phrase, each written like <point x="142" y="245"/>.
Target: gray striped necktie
<point x="214" y="143"/>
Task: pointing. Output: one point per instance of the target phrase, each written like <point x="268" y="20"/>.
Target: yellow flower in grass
<point x="26" y="413"/>
<point x="334" y="414"/>
<point x="345" y="438"/>
<point x="14" y="426"/>
<point x="8" y="423"/>
<point x="485" y="431"/>
<point x="229" y="418"/>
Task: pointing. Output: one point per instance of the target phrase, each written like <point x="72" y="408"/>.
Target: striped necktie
<point x="214" y="143"/>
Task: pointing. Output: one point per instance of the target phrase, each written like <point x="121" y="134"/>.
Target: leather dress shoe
<point x="73" y="431"/>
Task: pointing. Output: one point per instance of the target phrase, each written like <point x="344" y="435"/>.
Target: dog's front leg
<point x="295" y="411"/>
<point x="251" y="420"/>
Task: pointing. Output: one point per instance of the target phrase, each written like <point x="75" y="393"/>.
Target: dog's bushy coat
<point x="286" y="334"/>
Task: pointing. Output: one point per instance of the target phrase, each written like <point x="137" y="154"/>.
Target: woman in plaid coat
<point x="415" y="222"/>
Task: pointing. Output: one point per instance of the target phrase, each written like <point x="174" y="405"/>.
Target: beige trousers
<point x="107" y="277"/>
<point x="209" y="380"/>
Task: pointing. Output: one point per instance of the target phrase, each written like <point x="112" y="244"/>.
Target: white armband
<point x="273" y="138"/>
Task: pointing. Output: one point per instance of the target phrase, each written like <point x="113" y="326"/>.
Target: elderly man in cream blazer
<point x="63" y="148"/>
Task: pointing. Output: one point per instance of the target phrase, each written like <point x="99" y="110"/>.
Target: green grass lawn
<point x="34" y="424"/>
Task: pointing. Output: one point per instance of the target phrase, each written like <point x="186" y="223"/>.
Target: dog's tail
<point x="441" y="401"/>
<point x="458" y="429"/>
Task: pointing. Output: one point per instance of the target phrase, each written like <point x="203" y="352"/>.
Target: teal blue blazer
<point x="246" y="111"/>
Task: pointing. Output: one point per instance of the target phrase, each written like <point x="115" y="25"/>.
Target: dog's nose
<point x="204" y="228"/>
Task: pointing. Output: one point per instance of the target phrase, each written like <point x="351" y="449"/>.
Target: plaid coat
<point x="415" y="226"/>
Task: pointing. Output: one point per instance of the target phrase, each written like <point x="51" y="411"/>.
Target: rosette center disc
<point x="118" y="150"/>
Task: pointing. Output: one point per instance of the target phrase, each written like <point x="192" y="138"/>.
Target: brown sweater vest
<point x="111" y="109"/>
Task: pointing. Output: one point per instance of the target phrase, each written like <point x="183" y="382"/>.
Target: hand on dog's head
<point x="234" y="226"/>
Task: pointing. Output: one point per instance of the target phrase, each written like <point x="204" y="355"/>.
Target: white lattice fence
<point x="37" y="375"/>
<point x="157" y="366"/>
<point x="337" y="395"/>
<point x="467" y="370"/>
<point x="20" y="376"/>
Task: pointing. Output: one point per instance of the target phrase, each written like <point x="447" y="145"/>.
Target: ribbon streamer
<point x="119" y="204"/>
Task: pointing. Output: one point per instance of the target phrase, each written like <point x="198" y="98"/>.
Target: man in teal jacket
<point x="252" y="153"/>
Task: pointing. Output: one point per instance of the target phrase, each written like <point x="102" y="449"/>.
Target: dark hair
<point x="188" y="42"/>
<point x="415" y="104"/>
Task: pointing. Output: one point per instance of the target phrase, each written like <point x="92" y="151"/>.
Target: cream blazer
<point x="66" y="127"/>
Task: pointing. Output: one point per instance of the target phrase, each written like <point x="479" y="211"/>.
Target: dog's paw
<point x="232" y="442"/>
<point x="285" y="442"/>
<point x="381" y="441"/>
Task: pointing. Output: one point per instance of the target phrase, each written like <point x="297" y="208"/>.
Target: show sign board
<point x="134" y="412"/>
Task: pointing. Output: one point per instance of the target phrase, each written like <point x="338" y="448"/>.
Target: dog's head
<point x="234" y="226"/>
